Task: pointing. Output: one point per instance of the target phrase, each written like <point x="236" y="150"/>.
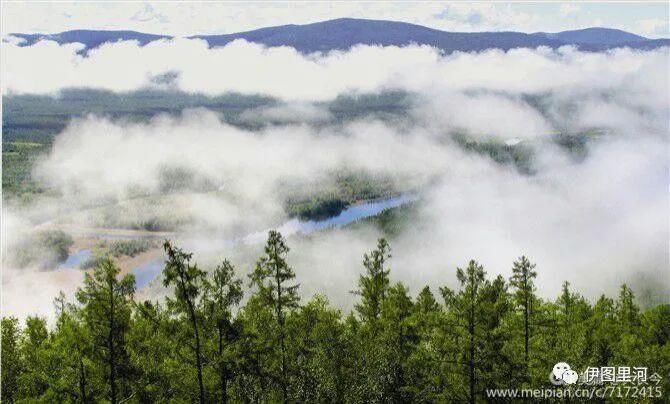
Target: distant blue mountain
<point x="91" y="39"/>
<point x="343" y="33"/>
<point x="595" y="36"/>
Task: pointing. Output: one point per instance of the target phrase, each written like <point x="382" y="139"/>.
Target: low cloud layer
<point x="282" y="72"/>
<point x="596" y="220"/>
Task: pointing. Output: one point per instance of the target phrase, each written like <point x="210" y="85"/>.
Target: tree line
<point x="201" y="344"/>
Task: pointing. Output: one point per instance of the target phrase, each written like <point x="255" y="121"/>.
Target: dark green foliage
<point x="198" y="346"/>
<point x="519" y="155"/>
<point x="130" y="248"/>
<point x="38" y="118"/>
<point x="316" y="201"/>
<point x="92" y="261"/>
<point x="524" y="297"/>
<point x="18" y="159"/>
<point x="475" y="314"/>
<point x="72" y="373"/>
<point x="318" y="208"/>
<point x="223" y="291"/>
<point x="106" y="315"/>
<point x="35" y="339"/>
<point x="272" y="278"/>
<point x="189" y="283"/>
<point x="11" y="359"/>
<point x="153" y="224"/>
<point x="118" y="248"/>
<point x="43" y="248"/>
<point x="391" y="222"/>
<point x="387" y="105"/>
<point x="374" y="284"/>
<point x="57" y="241"/>
<point x="160" y="352"/>
<point x="318" y="353"/>
<point x="577" y="144"/>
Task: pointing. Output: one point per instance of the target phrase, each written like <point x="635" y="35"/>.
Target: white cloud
<point x="593" y="223"/>
<point x="567" y="9"/>
<point x="284" y="73"/>
<point x="289" y="113"/>
<point x="148" y="14"/>
<point x="590" y="223"/>
<point x="654" y="27"/>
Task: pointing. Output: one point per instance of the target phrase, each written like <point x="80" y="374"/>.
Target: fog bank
<point x="596" y="217"/>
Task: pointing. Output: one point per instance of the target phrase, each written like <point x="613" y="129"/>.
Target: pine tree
<point x="627" y="311"/>
<point x="426" y="303"/>
<point x="424" y="362"/>
<point x="397" y="341"/>
<point x="159" y="349"/>
<point x="524" y="297"/>
<point x="106" y="313"/>
<point x="321" y="353"/>
<point x="566" y="300"/>
<point x="107" y="348"/>
<point x="562" y="326"/>
<point x="374" y="368"/>
<point x="374" y="284"/>
<point x="498" y="363"/>
<point x="655" y="333"/>
<point x="33" y="345"/>
<point x="188" y="281"/>
<point x="257" y="352"/>
<point x="474" y="317"/>
<point x="472" y="281"/>
<point x="11" y="359"/>
<point x="223" y="292"/>
<point x="70" y="367"/>
<point x="272" y="278"/>
<point x="604" y="332"/>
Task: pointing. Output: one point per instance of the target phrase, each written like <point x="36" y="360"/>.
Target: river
<point x="146" y="272"/>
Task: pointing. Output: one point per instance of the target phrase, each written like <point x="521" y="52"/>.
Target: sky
<point x="650" y="19"/>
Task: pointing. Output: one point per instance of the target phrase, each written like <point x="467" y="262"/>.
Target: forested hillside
<point x="220" y="338"/>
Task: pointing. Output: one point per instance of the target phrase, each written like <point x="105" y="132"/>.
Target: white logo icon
<point x="562" y="374"/>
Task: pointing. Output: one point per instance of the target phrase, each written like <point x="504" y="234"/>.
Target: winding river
<point x="146" y="272"/>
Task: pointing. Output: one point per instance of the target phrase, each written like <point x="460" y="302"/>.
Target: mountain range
<point x="343" y="33"/>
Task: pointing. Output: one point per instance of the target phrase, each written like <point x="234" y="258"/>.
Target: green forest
<point x="222" y="337"/>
